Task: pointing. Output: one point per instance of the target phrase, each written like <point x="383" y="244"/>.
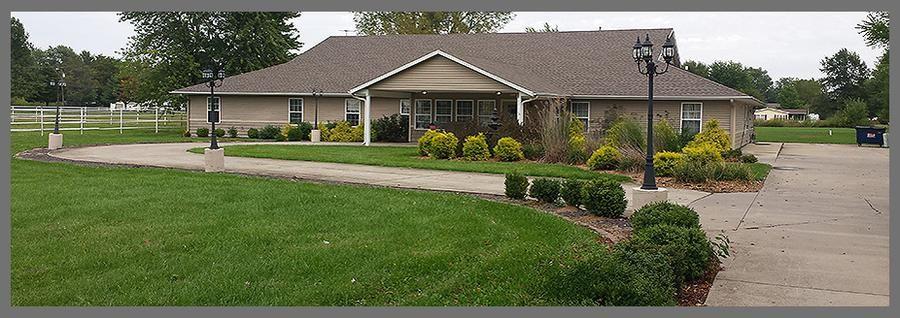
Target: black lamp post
<point x="316" y="94"/>
<point x="642" y="53"/>
<point x="61" y="84"/>
<point x="213" y="79"/>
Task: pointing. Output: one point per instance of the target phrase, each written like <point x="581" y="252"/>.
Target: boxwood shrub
<point x="220" y="132"/>
<point x="232" y="132"/>
<point x="269" y="132"/>
<point x="253" y="133"/>
<point x="294" y="134"/>
<point x="604" y="197"/>
<point x="571" y="191"/>
<point x="516" y="185"/>
<point x="202" y="132"/>
<point x="687" y="249"/>
<point x="664" y="213"/>
<point x="544" y="189"/>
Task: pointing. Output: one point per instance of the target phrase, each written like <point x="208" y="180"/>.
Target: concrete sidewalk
<point x="175" y="155"/>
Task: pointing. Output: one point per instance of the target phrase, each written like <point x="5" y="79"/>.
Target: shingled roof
<point x="579" y="63"/>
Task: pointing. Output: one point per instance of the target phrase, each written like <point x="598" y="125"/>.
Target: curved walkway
<point x="176" y="155"/>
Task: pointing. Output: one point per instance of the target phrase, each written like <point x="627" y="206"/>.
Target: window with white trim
<point x="214" y="104"/>
<point x="485" y="111"/>
<point x="691" y="117"/>
<point x="404" y="107"/>
<point x="465" y="110"/>
<point x="581" y="110"/>
<point x="423" y="113"/>
<point x="351" y="111"/>
<point x="295" y="110"/>
<point x="443" y="111"/>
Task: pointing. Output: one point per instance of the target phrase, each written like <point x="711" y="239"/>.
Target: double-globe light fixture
<point x="61" y="93"/>
<point x="213" y="78"/>
<point x="643" y="56"/>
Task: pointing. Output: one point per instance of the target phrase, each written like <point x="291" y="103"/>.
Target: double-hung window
<point x="465" y="110"/>
<point x="691" y="117"/>
<point x="443" y="111"/>
<point x="404" y="107"/>
<point x="485" y="111"/>
<point x="351" y="111"/>
<point x="295" y="110"/>
<point x="582" y="111"/>
<point x="213" y="104"/>
<point x="423" y="113"/>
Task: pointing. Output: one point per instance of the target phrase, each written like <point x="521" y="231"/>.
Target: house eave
<point x="264" y="93"/>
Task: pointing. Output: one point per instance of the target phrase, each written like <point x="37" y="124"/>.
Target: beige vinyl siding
<point x="439" y="74"/>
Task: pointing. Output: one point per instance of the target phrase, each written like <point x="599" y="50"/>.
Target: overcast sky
<point x="783" y="43"/>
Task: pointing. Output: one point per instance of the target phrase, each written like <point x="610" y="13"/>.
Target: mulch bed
<point x="710" y="186"/>
<point x="693" y="294"/>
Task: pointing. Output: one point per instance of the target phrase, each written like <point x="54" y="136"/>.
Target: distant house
<point x="439" y="79"/>
<point x="124" y="106"/>
<point x="773" y="111"/>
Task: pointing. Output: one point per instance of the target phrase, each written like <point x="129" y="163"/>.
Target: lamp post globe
<point x="213" y="79"/>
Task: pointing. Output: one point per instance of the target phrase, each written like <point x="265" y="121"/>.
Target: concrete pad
<point x="765" y="152"/>
<point x="641" y="197"/>
<point x="214" y="160"/>
<point x="737" y="293"/>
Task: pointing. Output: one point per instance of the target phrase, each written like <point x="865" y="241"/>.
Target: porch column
<point x="367" y="121"/>
<point x="520" y="109"/>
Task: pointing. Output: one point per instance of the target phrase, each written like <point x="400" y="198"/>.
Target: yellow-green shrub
<point x="425" y="141"/>
<point x="703" y="153"/>
<point x="664" y="162"/>
<point x="443" y="146"/>
<point x="576" y="151"/>
<point x="604" y="158"/>
<point x="508" y="149"/>
<point x="576" y="128"/>
<point x="324" y="132"/>
<point x="476" y="148"/>
<point x="357" y="133"/>
<point x="286" y="129"/>
<point x="712" y="134"/>
<point x="342" y="132"/>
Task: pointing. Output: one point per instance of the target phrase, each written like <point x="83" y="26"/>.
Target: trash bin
<point x="869" y="135"/>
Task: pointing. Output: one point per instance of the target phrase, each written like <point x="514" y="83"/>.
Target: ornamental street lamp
<point x="642" y="53"/>
<point x="214" y="78"/>
<point x="60" y="94"/>
<point x="316" y="94"/>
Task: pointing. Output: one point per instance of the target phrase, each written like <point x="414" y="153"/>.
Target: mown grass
<point x="141" y="236"/>
<point x="806" y="135"/>
<point x="760" y="170"/>
<point x="407" y="157"/>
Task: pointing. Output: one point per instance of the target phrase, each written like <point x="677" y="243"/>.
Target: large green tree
<point x="696" y="67"/>
<point x="798" y="93"/>
<point x="876" y="29"/>
<point x="877" y="89"/>
<point x="845" y="74"/>
<point x="175" y="46"/>
<point x="437" y="22"/>
<point x="22" y="62"/>
<point x="751" y="81"/>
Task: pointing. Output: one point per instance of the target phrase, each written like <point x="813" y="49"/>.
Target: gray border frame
<point x="520" y="5"/>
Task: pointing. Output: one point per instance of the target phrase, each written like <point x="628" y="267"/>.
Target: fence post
<point x="120" y="120"/>
<point x="110" y="115"/>
<point x="42" y="120"/>
<point x="156" y="119"/>
<point x="82" y="121"/>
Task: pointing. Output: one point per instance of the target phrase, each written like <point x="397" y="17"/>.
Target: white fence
<point x="38" y="118"/>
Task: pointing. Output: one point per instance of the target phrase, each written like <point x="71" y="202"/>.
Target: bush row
<point x="600" y="196"/>
<point x="443" y="145"/>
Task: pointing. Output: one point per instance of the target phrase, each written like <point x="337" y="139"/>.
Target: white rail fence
<point x="38" y="118"/>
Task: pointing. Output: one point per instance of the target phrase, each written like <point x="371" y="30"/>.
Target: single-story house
<point x="774" y="111"/>
<point x="437" y="79"/>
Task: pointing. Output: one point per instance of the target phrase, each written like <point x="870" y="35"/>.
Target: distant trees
<point x="436" y="22"/>
<point x="749" y="80"/>
<point x="546" y="28"/>
<point x="21" y="62"/>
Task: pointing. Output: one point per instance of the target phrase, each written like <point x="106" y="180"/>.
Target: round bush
<point x="253" y="133"/>
<point x="305" y="129"/>
<point x="646" y="278"/>
<point x="604" y="158"/>
<point x="475" y="148"/>
<point x="342" y="132"/>
<point x="202" y="132"/>
<point x="508" y="149"/>
<point x="516" y="185"/>
<point x="232" y="132"/>
<point x="443" y="146"/>
<point x="665" y="162"/>
<point x="269" y="132"/>
<point x="703" y="153"/>
<point x="714" y="135"/>
<point x="294" y="134"/>
<point x="571" y="191"/>
<point x="604" y="197"/>
<point x="664" y="213"/>
<point x="187" y="133"/>
<point x="546" y="190"/>
<point x="220" y="132"/>
<point x="687" y="249"/>
<point x="425" y="141"/>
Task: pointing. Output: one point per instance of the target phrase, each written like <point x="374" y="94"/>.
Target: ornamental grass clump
<point x="508" y="149"/>
<point x="604" y="158"/>
<point x="604" y="198"/>
<point x="475" y="148"/>
<point x="545" y="190"/>
<point x="625" y="132"/>
<point x="516" y="185"/>
<point x="665" y="138"/>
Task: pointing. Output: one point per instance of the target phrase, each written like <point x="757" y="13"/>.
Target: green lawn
<point x="406" y="157"/>
<point x="760" y="170"/>
<point x="806" y="135"/>
<point x="143" y="236"/>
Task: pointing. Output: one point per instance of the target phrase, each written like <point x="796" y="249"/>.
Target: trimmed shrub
<point x="748" y="158"/>
<point x="220" y="132"/>
<point x="342" y="132"/>
<point x="605" y="158"/>
<point x="186" y="133"/>
<point x="232" y="132"/>
<point x="703" y="153"/>
<point x="280" y="137"/>
<point x="712" y="134"/>
<point x="425" y="141"/>
<point x="665" y="138"/>
<point x="544" y="189"/>
<point x="305" y="129"/>
<point x="687" y="249"/>
<point x="665" y="162"/>
<point x="531" y="151"/>
<point x="294" y="134"/>
<point x="202" y="132"/>
<point x="647" y="278"/>
<point x="508" y="149"/>
<point x="626" y="132"/>
<point x="516" y="185"/>
<point x="392" y="128"/>
<point x="476" y="148"/>
<point x="357" y="134"/>
<point x="253" y="133"/>
<point x="576" y="150"/>
<point x="664" y="213"/>
<point x="571" y="191"/>
<point x="269" y="132"/>
<point x="286" y="129"/>
<point x="443" y="146"/>
<point x="604" y="197"/>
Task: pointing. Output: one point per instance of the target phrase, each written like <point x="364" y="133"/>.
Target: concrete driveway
<point x="815" y="235"/>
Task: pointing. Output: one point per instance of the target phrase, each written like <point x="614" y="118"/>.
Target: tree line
<point x="849" y="87"/>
